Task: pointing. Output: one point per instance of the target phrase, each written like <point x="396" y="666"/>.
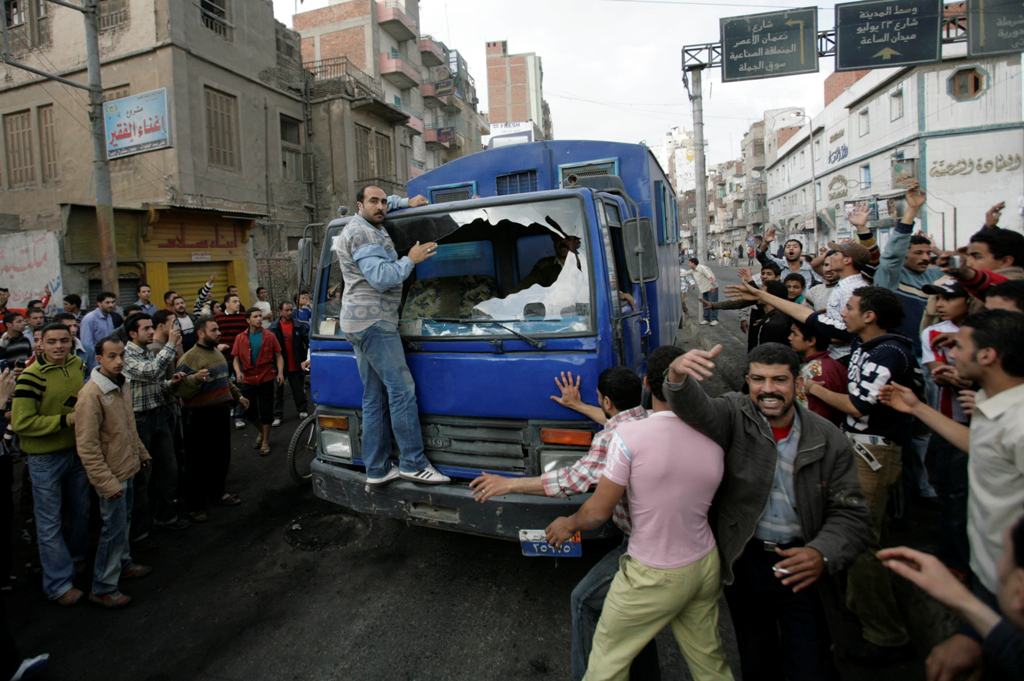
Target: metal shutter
<point x="589" y="169"/>
<point x="188" y="277"/>
<point x="126" y="290"/>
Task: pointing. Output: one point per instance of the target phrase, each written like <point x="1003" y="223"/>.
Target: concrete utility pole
<point x="104" y="198"/>
<point x="101" y="168"/>
<point x="700" y="162"/>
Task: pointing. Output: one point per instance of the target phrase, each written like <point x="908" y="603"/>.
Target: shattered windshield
<point x="519" y="270"/>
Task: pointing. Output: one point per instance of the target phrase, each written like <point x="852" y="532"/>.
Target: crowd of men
<point x="861" y="364"/>
<point x="124" y="419"/>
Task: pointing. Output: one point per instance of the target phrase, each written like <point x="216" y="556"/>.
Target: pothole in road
<point x="319" y="531"/>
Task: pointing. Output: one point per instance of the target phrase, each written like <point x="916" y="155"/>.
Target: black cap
<point x="946" y="287"/>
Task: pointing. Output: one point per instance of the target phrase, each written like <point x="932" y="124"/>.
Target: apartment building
<point x="515" y="89"/>
<point x="954" y="126"/>
<point x="417" y="75"/>
<point x="222" y="161"/>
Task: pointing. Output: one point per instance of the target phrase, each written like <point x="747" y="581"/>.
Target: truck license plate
<point x="535" y="544"/>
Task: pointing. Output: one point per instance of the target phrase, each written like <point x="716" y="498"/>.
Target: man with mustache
<point x="789" y="509"/>
<point x="877" y="432"/>
<point x="373" y="275"/>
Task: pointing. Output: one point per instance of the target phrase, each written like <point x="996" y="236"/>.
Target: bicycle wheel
<point x="302" y="450"/>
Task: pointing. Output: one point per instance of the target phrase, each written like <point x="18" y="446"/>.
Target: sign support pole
<point x="700" y="163"/>
<point x="814" y="188"/>
<point x="101" y="167"/>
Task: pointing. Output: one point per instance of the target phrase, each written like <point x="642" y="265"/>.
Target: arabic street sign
<point x="995" y="26"/>
<point x="769" y="45"/>
<point x="137" y="123"/>
<point x="879" y="33"/>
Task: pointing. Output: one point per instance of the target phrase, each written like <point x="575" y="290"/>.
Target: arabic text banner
<point x="29" y="262"/>
<point x="137" y="123"/>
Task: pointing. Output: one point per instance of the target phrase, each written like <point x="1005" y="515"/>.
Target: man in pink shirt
<point x="670" y="574"/>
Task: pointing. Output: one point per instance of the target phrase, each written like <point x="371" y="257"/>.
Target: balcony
<point x="757" y="217"/>
<point x="440" y="137"/>
<point x="415" y="122"/>
<point x="398" y="72"/>
<point x="431" y="97"/>
<point x="395" y="22"/>
<point x="431" y="52"/>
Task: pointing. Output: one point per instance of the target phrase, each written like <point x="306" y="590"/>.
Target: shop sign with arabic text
<point x="137" y="123"/>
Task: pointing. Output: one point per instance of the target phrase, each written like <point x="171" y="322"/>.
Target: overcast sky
<point x="612" y="68"/>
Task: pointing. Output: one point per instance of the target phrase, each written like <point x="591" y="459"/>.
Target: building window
<point x="967" y="84"/>
<point x="865" y="176"/>
<point x="112" y="14"/>
<point x="221" y="129"/>
<point x="47" y="144"/>
<point x="896" y="105"/>
<point x="21" y="169"/>
<point x="385" y="165"/>
<point x="863" y="122"/>
<point x="216" y="16"/>
<point x="362" y="153"/>
<point x="291" y="149"/>
<point x="803" y="157"/>
<point x="817" y="191"/>
<point x="14" y="12"/>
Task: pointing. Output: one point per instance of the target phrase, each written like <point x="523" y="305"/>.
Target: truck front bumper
<point x="449" y="507"/>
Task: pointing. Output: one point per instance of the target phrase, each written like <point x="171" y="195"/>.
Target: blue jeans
<point x="60" y="490"/>
<point x="711" y="296"/>
<point x="112" y="554"/>
<point x="586" y="602"/>
<point x="388" y="388"/>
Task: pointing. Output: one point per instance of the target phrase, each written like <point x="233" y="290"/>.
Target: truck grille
<point x="478" y="443"/>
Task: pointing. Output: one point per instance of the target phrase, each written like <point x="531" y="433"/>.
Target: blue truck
<point x="552" y="256"/>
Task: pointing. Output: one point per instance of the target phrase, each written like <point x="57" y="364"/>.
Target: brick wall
<point x="349" y="42"/>
<point x="839" y="81"/>
<point x="332" y="14"/>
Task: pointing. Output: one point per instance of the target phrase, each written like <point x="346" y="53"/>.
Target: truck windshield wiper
<point x="537" y="343"/>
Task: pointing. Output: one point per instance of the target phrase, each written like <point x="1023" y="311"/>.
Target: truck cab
<point x="567" y="275"/>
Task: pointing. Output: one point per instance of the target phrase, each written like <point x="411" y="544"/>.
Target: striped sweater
<point x="43" y="397"/>
<point x="216" y="390"/>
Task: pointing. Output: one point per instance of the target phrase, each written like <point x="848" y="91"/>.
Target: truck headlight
<point x="552" y="461"/>
<point x="336" y="444"/>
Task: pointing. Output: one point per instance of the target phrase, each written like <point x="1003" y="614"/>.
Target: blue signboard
<point x="769" y="45"/>
<point x="881" y="33"/>
<point x="137" y="123"/>
<point x="995" y="26"/>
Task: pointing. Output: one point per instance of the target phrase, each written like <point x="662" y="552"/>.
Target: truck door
<point x="628" y="319"/>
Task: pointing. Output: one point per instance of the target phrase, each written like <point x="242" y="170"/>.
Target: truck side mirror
<point x="641" y="250"/>
<point x="305" y="264"/>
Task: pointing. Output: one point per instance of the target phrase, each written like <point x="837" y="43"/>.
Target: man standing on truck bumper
<point x="373" y="275"/>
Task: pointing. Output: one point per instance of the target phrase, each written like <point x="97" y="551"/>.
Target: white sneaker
<point x="276" y="423"/>
<point x="714" y="323"/>
<point x="392" y="474"/>
<point x="703" y="322"/>
<point x="427" y="476"/>
<point x="31" y="667"/>
<point x="303" y="415"/>
<point x="239" y="424"/>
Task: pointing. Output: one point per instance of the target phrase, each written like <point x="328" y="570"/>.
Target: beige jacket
<point x="108" y="444"/>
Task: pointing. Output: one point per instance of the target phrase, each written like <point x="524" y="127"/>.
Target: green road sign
<point x="769" y="45"/>
<point x="879" y="33"/>
<point x="995" y="26"/>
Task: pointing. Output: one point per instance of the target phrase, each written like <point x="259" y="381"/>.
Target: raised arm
<point x="712" y="416"/>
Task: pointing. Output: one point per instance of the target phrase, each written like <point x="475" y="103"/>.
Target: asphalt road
<point x="286" y="586"/>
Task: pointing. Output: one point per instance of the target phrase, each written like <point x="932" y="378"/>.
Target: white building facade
<point x="956" y="127"/>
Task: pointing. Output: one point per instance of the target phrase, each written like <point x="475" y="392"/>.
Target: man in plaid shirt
<point x="152" y="376"/>
<point x="618" y="394"/>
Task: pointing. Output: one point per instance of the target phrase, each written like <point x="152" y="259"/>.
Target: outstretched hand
<point x="899" y="398"/>
<point x="742" y="292"/>
<point x="569" y="390"/>
<point x="697" y="364"/>
<point x="858" y="217"/>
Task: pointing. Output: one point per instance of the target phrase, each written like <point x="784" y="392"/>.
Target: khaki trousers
<point x="869" y="592"/>
<point x="642" y="600"/>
